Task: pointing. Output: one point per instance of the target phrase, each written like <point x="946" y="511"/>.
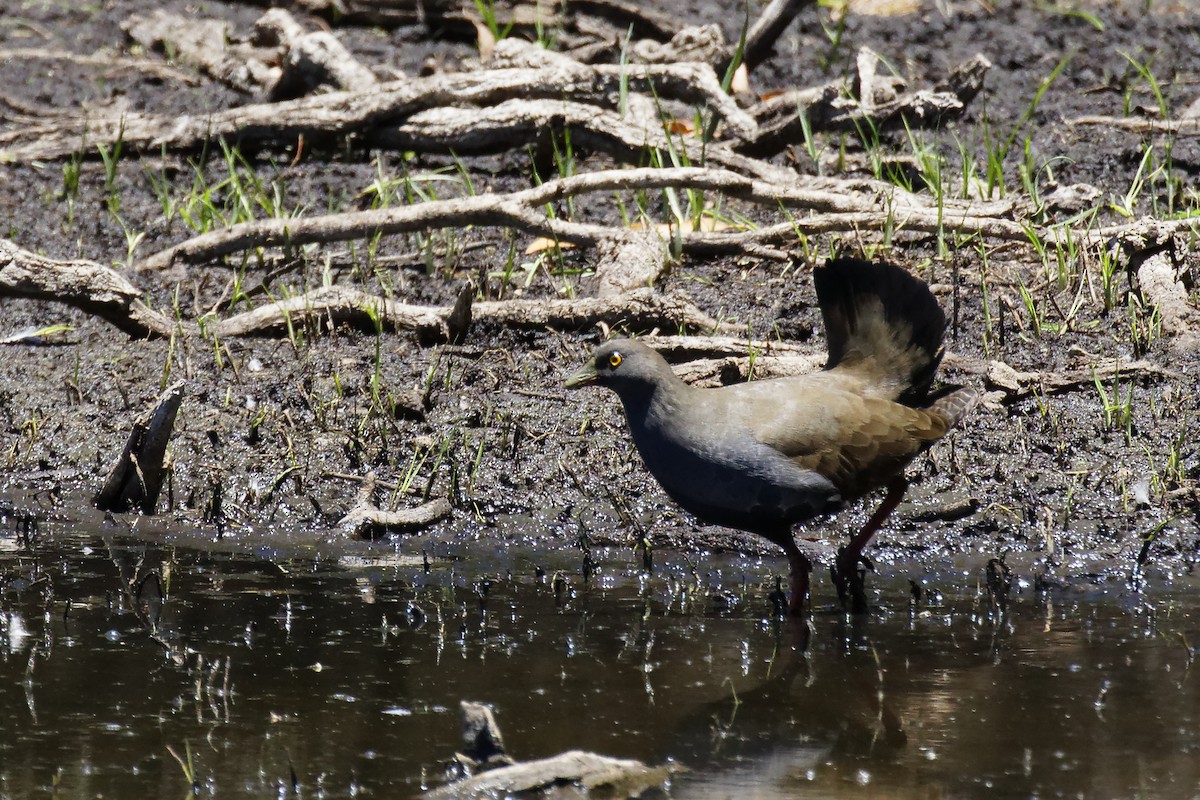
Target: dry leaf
<point x="541" y="244"/>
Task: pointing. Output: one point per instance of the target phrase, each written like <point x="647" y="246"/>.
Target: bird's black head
<point x="622" y="365"/>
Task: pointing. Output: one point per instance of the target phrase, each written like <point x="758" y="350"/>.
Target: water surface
<point x="121" y="661"/>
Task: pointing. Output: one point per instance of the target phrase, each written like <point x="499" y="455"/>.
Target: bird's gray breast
<point x="718" y="471"/>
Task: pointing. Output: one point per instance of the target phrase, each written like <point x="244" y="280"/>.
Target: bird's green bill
<point x="583" y="377"/>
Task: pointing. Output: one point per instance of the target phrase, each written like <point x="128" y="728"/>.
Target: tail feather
<point x="955" y="403"/>
<point x="881" y="321"/>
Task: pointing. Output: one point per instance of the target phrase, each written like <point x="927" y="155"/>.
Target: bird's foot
<point x="849" y="573"/>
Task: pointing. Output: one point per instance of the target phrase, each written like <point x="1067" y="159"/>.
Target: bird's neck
<point x="661" y="397"/>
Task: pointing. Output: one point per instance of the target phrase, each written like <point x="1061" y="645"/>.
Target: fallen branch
<point x="878" y="104"/>
<point x="1016" y="384"/>
<point x="325" y="116"/>
<point x="341" y="305"/>
<point x="84" y="284"/>
<point x="1188" y="126"/>
<point x="767" y="29"/>
<point x="524" y="211"/>
<point x="367" y="521"/>
<point x="638" y="310"/>
<point x="146" y="65"/>
<point x="136" y="477"/>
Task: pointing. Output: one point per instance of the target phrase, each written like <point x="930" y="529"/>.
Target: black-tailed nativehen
<point x="764" y="455"/>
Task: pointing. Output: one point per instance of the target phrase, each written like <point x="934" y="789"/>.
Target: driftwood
<point x="367" y="521"/>
<point x="497" y="775"/>
<point x="613" y="777"/>
<point x="136" y="477"/>
<point x="84" y="284"/>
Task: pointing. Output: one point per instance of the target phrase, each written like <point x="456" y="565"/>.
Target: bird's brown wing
<point x="855" y="442"/>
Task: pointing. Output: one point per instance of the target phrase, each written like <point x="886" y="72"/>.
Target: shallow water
<point x="341" y="677"/>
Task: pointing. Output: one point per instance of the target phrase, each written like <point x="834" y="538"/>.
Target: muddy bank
<point x="1087" y="456"/>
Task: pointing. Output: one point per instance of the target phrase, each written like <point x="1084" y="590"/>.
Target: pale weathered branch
<point x="338" y="113"/>
<point x="1186" y="126"/>
<point x="523" y="210"/>
<point x="81" y="283"/>
<point x="338" y="305"/>
<point x="367" y="521"/>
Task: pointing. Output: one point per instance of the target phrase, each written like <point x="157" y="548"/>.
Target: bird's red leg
<point x="800" y="567"/>
<point x="846" y="574"/>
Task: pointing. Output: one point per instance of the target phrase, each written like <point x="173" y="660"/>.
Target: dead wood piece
<point x="686" y="80"/>
<point x="86" y="285"/>
<point x="616" y="776"/>
<point x="630" y="261"/>
<point x="645" y="21"/>
<point x="948" y="511"/>
<point x="311" y="60"/>
<point x="767" y="29"/>
<point x="523" y="210"/>
<point x="278" y="57"/>
<point x="1159" y="282"/>
<point x="691" y="348"/>
<point x="1017" y="384"/>
<point x="109" y="62"/>
<point x="830" y="108"/>
<point x="136" y="477"/>
<point x="205" y="45"/>
<point x="482" y="742"/>
<point x="1184" y="126"/>
<point x="733" y="369"/>
<point x="339" y="305"/>
<point x="367" y="521"/>
<point x="320" y="117"/>
<point x="638" y="310"/>
<point x="701" y="43"/>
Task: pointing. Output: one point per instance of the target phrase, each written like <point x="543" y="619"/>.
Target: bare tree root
<point x="767" y="29"/>
<point x="86" y="285"/>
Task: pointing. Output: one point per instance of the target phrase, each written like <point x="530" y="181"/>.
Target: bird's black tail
<point x="883" y="322"/>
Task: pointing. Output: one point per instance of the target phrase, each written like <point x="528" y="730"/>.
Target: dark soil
<point x="273" y="420"/>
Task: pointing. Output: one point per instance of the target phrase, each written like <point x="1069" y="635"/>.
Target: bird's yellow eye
<point x="615" y="360"/>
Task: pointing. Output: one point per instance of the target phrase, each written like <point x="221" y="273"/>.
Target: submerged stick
<point x="136" y="477"/>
